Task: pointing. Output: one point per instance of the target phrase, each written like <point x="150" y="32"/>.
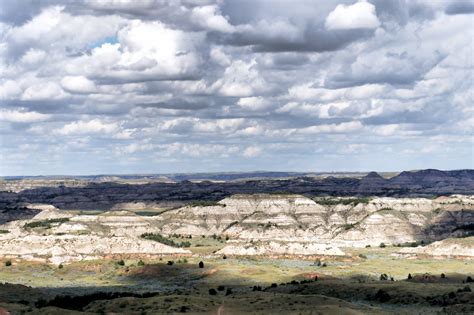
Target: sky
<point x="166" y="86"/>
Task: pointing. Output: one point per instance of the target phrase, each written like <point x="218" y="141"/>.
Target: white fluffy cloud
<point x="16" y="116"/>
<point x="83" y="127"/>
<point x="78" y="84"/>
<point x="358" y="15"/>
<point x="175" y="85"/>
<point x="210" y="18"/>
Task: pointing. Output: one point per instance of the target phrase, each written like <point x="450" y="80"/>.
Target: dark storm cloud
<point x="312" y="40"/>
<point x="179" y="103"/>
<point x="460" y="7"/>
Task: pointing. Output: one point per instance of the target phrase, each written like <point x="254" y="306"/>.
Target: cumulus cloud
<point x="94" y="126"/>
<point x="164" y="85"/>
<point x="78" y="84"/>
<point x="359" y="15"/>
<point x="16" y="116"/>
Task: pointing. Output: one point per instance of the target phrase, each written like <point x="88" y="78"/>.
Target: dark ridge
<point x="105" y="195"/>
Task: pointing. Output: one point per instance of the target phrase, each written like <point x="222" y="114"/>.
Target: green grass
<point x="46" y="224"/>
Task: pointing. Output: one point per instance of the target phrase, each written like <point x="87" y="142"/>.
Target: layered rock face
<point x="259" y="224"/>
<point x="84" y="237"/>
<point x="289" y="218"/>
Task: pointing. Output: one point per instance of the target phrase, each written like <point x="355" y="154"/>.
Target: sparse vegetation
<point x="163" y="240"/>
<point x="46" y="224"/>
<point x="205" y="203"/>
<point x="4" y="231"/>
<point x="341" y="201"/>
<point x="348" y="226"/>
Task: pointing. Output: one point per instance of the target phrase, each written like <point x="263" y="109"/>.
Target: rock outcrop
<point x="341" y="222"/>
<point x="448" y="248"/>
<point x="256" y="224"/>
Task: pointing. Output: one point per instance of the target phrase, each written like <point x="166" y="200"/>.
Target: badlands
<point x="235" y="247"/>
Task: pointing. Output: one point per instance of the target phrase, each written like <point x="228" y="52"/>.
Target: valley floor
<point x="241" y="285"/>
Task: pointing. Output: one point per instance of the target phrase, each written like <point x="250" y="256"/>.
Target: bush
<point x="362" y="256"/>
<point x="469" y="279"/>
<point x="4" y="231"/>
<point x="140" y="263"/>
<point x="409" y="276"/>
<point x="121" y="262"/>
<point x="201" y="264"/>
<point x="220" y="288"/>
<point x="8" y="263"/>
<point x="383" y="277"/>
<point x="443" y="276"/>
<point x="170" y="263"/>
<point x="212" y="292"/>
<point x="382" y="245"/>
<point x="228" y="292"/>
<point x="60" y="266"/>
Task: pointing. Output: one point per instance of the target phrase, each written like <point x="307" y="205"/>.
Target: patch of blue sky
<point x="100" y="42"/>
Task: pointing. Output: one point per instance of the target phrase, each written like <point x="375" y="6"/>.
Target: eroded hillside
<point x="259" y="224"/>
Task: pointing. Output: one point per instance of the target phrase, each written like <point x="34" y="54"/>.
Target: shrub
<point x="228" y="292"/>
<point x="362" y="256"/>
<point x="443" y="276"/>
<point x="469" y="279"/>
<point x="220" y="288"/>
<point x="140" y="263"/>
<point x="201" y="264"/>
<point x="382" y="296"/>
<point x="224" y="257"/>
<point x="170" y="263"/>
<point x="60" y="266"/>
<point x="383" y="277"/>
<point x="348" y="226"/>
<point x="274" y="285"/>
<point x="212" y="292"/>
<point x="367" y="246"/>
<point x="121" y="262"/>
<point x="409" y="276"/>
<point x="8" y="263"/>
<point x="382" y="245"/>
<point x="4" y="231"/>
